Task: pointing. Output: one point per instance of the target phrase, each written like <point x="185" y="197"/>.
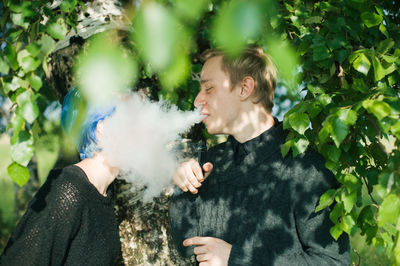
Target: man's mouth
<point x="205" y="116"/>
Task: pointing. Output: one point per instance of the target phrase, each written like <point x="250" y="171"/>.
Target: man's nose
<point x="199" y="100"/>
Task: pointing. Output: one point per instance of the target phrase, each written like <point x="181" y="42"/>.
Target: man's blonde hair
<point x="253" y="62"/>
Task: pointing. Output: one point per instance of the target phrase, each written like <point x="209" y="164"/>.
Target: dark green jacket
<point x="263" y="206"/>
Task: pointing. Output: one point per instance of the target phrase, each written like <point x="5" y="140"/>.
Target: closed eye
<point x="208" y="90"/>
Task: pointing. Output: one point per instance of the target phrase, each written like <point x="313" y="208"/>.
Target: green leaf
<point x="359" y="85"/>
<point x="349" y="200"/>
<point x="348" y="116"/>
<point x="4" y="68"/>
<point x="325" y="131"/>
<point x="336" y="231"/>
<point x="379" y="71"/>
<point x="176" y="73"/>
<point x="47" y="150"/>
<point x="336" y="213"/>
<point x="33" y="49"/>
<point x="105" y="67"/>
<point x="236" y="23"/>
<point x="47" y="45"/>
<point x="57" y="30"/>
<point x="17" y="122"/>
<point x="191" y="9"/>
<point x="331" y="152"/>
<point x="30" y="110"/>
<point x="366" y="217"/>
<point x="328" y="7"/>
<point x="324" y="99"/>
<point x="347" y="224"/>
<point x="342" y="54"/>
<point x="68" y="5"/>
<point x="326" y="199"/>
<point x="14" y="34"/>
<point x="286" y="147"/>
<point x="299" y="122"/>
<point x="351" y="182"/>
<point x="314" y="19"/>
<point x="22" y="82"/>
<point x="362" y="64"/>
<point x="18" y="173"/>
<point x="313" y="109"/>
<point x="389" y="59"/>
<point x="300" y="145"/>
<point x="160" y="39"/>
<point x="320" y="52"/>
<point x="379" y="108"/>
<point x="384" y="31"/>
<point x="26" y="61"/>
<point x="390" y="69"/>
<point x="11" y="55"/>
<point x="286" y="60"/>
<point x="384" y="46"/>
<point x="339" y="131"/>
<point x="389" y="210"/>
<point x="315" y="89"/>
<point x="22" y="149"/>
<point x="24" y="7"/>
<point x="396" y="129"/>
<point x="19" y="19"/>
<point x="35" y="81"/>
<point x="371" y="19"/>
<point x="378" y="152"/>
<point x="12" y="86"/>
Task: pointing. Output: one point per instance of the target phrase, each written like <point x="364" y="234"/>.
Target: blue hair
<point x="73" y="106"/>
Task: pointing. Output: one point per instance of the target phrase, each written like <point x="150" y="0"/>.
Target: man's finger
<point x="198" y="250"/>
<point x="183" y="187"/>
<point x="191" y="176"/>
<point x="207" y="167"/>
<point x="203" y="257"/>
<point x="197" y="241"/>
<point x="197" y="171"/>
<point x="192" y="189"/>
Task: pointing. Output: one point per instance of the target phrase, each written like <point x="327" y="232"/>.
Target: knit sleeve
<point x="44" y="233"/>
<point x="319" y="247"/>
<point x="183" y="219"/>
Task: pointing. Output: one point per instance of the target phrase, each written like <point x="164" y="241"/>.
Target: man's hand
<point x="189" y="175"/>
<point x="210" y="251"/>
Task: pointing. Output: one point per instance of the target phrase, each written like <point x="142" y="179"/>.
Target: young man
<point x="251" y="206"/>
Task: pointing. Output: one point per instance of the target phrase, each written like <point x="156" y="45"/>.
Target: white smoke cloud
<point x="136" y="139"/>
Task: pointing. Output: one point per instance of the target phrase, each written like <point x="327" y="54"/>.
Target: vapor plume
<point x="136" y="139"/>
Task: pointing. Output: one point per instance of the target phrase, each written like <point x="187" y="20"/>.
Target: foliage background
<point x="338" y="63"/>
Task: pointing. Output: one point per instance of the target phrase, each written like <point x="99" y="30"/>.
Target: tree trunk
<point x="143" y="226"/>
<point x="144" y="229"/>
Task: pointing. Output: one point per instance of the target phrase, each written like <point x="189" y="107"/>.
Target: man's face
<point x="218" y="102"/>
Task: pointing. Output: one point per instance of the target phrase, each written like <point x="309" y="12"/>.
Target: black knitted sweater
<point x="262" y="204"/>
<point x="68" y="222"/>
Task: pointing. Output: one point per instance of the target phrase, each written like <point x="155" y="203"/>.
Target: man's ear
<point x="246" y="88"/>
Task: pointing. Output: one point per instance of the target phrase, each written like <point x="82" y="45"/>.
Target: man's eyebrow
<point x="204" y="81"/>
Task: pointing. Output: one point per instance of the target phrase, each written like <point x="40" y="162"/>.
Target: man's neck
<point x="99" y="172"/>
<point x="252" y="123"/>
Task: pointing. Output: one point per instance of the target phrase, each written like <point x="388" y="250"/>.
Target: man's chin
<point x="212" y="131"/>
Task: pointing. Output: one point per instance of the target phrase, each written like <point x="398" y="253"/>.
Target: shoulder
<point x="61" y="196"/>
<point x="308" y="170"/>
<point x="68" y="187"/>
